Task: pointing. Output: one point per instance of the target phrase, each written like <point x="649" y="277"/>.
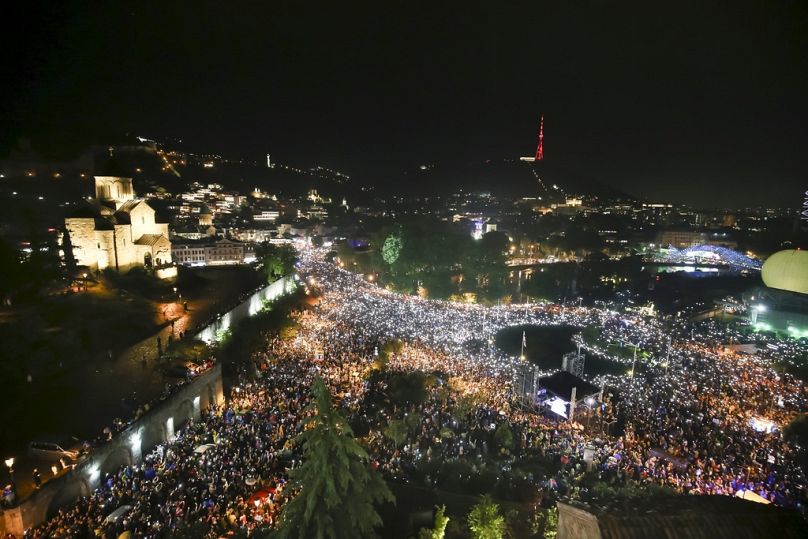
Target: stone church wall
<point x="126" y="249"/>
<point x="118" y="249"/>
<point x="82" y="240"/>
<point x="105" y="241"/>
<point x="113" y="188"/>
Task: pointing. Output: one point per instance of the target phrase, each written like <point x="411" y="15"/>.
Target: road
<point x="80" y="402"/>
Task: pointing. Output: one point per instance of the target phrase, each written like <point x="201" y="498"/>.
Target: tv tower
<point x="540" y="148"/>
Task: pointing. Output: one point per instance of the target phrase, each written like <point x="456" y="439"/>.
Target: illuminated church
<point x="116" y="230"/>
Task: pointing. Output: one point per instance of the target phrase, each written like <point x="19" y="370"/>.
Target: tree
<point x="391" y="249"/>
<point x="397" y="432"/>
<point x="494" y="247"/>
<point x="796" y="432"/>
<point x="485" y="520"/>
<point x="503" y="436"/>
<point x="438" y="531"/>
<point x="413" y="421"/>
<point x="409" y="388"/>
<point x="551" y="523"/>
<point x="335" y="487"/>
<point x="11" y="268"/>
<point x="278" y="260"/>
<point x="288" y="257"/>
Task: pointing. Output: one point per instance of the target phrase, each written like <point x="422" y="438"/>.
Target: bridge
<point x="706" y="256"/>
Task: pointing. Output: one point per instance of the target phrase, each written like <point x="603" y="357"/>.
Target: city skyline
<point x="696" y="105"/>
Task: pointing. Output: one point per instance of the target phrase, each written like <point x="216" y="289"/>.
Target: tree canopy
<point x="485" y="520"/>
<point x="434" y="258"/>
<point x="438" y="531"/>
<point x="278" y="260"/>
<point x="335" y="488"/>
<point x="391" y="249"/>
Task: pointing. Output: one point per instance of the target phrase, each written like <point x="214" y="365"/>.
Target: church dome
<point x="787" y="270"/>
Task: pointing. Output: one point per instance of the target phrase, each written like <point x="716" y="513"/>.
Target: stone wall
<point x="249" y="307"/>
<point x="127" y="447"/>
<point x="161" y="250"/>
<point x="142" y="219"/>
<point x="105" y="240"/>
<point x="82" y="240"/>
<point x="125" y="249"/>
<point x="156" y="426"/>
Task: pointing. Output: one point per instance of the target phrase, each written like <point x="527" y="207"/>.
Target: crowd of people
<point x="698" y="422"/>
<point x="695" y="418"/>
<point x="222" y="474"/>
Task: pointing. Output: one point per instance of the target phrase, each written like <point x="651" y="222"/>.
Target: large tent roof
<point x="787" y="270"/>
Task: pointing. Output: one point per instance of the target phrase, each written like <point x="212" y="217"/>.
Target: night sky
<point x="702" y="102"/>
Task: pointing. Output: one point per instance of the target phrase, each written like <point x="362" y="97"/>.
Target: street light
<point x="633" y="361"/>
<point x="589" y="402"/>
<point x="10" y="465"/>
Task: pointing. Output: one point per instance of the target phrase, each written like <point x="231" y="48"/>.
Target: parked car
<point x="49" y="450"/>
<point x="183" y="369"/>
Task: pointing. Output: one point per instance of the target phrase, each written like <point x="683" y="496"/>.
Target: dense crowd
<point x="691" y="422"/>
<point x="695" y="418"/>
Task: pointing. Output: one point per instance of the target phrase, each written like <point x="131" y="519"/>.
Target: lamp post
<point x="10" y="465"/>
<point x="633" y="362"/>
<point x="589" y="402"/>
<point x="524" y="342"/>
<point x="668" y="357"/>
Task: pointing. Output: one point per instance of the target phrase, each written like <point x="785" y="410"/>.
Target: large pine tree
<point x="335" y="488"/>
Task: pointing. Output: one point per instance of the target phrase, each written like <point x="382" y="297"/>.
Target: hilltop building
<point x="118" y="231"/>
